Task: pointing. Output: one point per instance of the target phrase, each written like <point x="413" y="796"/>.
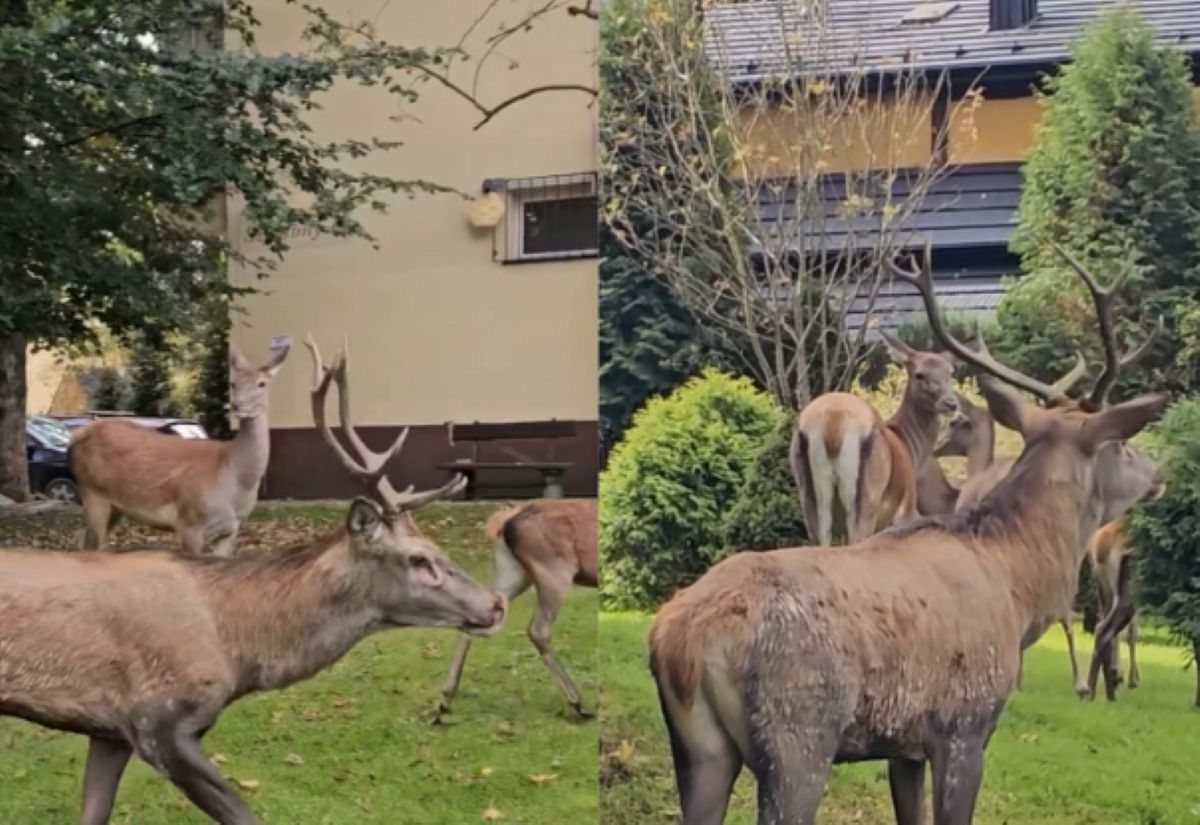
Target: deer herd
<point x="905" y="645"/>
<point x="141" y="651"/>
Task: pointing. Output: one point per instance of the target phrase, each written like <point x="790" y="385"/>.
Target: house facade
<point x="995" y="49"/>
<point x="472" y="313"/>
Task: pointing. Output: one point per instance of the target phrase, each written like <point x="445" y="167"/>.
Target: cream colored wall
<point x="43" y="373"/>
<point x="438" y="330"/>
<point x="993" y="130"/>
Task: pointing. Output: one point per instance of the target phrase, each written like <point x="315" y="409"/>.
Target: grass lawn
<point x="354" y="744"/>
<point x="1053" y="761"/>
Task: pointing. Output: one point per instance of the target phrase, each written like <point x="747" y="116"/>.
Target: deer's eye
<point x="420" y="563"/>
<point x="262" y="382"/>
<point x="920" y="376"/>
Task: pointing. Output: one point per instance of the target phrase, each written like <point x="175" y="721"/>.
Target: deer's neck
<point x="250" y="450"/>
<point x="982" y="450"/>
<point x="285" y="618"/>
<point x="917" y="427"/>
<point x="1034" y="526"/>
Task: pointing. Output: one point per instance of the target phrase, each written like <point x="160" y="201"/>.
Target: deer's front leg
<point x="907" y="780"/>
<point x="106" y="761"/>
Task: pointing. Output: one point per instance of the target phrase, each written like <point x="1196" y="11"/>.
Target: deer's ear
<point x="279" y="355"/>
<point x="1122" y="421"/>
<point x="899" y="350"/>
<point x="238" y="361"/>
<point x="1005" y="404"/>
<point x="364" y="519"/>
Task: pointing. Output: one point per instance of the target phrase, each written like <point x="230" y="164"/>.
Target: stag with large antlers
<point x="550" y="545"/>
<point x="141" y="652"/>
<point x="202" y="490"/>
<point x="850" y="463"/>
<point x="906" y="646"/>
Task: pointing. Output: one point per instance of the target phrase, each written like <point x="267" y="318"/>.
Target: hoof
<point x="583" y="712"/>
<point x="1082" y="691"/>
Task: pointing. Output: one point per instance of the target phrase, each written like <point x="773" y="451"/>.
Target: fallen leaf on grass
<point x="540" y="779"/>
<point x="492" y="814"/>
<point x="505" y="727"/>
<point x="1028" y="738"/>
<point x="218" y="759"/>
<point x="294" y="759"/>
<point x="20" y="773"/>
<point x="248" y="784"/>
<point x="342" y="702"/>
<point x="485" y="771"/>
<point x="622" y="754"/>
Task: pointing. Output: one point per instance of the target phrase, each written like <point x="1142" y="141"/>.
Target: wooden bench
<point x="549" y="470"/>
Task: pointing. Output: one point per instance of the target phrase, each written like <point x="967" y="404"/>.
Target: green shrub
<point x="210" y="392"/>
<point x="151" y="391"/>
<point x="767" y="512"/>
<point x="671" y="481"/>
<point x="1166" y="531"/>
<point x="110" y="390"/>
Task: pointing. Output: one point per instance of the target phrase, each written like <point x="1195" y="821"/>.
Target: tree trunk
<point x="1196" y="665"/>
<point x="14" y="474"/>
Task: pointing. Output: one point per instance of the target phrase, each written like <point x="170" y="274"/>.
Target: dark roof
<point x="755" y="40"/>
<point x="975" y="291"/>
<point x="968" y="207"/>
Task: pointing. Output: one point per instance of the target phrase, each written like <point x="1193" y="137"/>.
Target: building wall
<point x="439" y="330"/>
<point x="778" y="141"/>
<point x="993" y="130"/>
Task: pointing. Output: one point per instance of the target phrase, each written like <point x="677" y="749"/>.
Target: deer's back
<point x="974" y="489"/>
<point x="139" y="469"/>
<point x="877" y="629"/>
<point x="561" y="530"/>
<point x="84" y="637"/>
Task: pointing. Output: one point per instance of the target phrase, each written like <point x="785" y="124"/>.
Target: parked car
<point x="48" y="437"/>
<point x="46" y="442"/>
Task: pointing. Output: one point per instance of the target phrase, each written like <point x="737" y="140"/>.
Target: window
<point x="551" y="218"/>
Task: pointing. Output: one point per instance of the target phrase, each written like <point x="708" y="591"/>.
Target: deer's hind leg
<point x="791" y="748"/>
<point x="706" y="760"/>
<point x="99" y="517"/>
<point x="552" y="586"/>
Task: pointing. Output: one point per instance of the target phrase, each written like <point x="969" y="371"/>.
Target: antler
<point x="921" y="278"/>
<point x="1102" y="299"/>
<point x="368" y="466"/>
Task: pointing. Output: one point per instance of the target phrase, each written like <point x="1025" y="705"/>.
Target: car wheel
<point x="61" y="489"/>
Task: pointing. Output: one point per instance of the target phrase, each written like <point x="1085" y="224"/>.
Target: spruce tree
<point x="1111" y="177"/>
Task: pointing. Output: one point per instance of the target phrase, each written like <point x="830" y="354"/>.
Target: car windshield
<point x="49" y="432"/>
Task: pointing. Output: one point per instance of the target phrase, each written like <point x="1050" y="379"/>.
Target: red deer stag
<point x="551" y="545"/>
<point x="848" y="461"/>
<point x="906" y="646"/>
<point x="203" y="490"/>
<point x="141" y="652"/>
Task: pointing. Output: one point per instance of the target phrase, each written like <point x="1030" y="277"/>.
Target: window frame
<point x="522" y="192"/>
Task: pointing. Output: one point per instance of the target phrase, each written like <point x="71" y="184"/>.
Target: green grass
<point x="355" y="743"/>
<point x="1053" y="761"/>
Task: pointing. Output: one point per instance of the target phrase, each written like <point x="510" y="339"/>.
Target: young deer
<point x="203" y="490"/>
<point x="551" y="545"/>
<point x="844" y="453"/>
<point x="904" y="647"/>
<point x="142" y="651"/>
<point x="971" y="433"/>
<point x="1112" y="569"/>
